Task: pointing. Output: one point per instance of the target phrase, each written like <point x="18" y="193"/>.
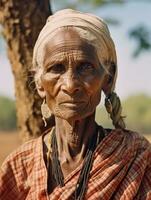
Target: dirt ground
<point x="9" y="141"/>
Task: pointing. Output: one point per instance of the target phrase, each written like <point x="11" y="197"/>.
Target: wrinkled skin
<point x="71" y="81"/>
<point x="72" y="76"/>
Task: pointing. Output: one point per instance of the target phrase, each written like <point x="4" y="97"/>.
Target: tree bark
<point x="22" y="22"/>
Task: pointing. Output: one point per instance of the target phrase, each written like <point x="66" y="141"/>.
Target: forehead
<point x="67" y="41"/>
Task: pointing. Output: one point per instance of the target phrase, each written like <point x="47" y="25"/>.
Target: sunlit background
<point x="130" y="26"/>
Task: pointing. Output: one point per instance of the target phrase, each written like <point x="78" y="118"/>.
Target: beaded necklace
<point x="82" y="182"/>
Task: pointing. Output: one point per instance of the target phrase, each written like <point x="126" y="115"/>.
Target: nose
<point x="71" y="83"/>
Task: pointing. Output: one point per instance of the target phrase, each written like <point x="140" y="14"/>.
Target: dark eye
<point x="57" y="68"/>
<point x="85" y="68"/>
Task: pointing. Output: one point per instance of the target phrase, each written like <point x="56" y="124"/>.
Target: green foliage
<point x="137" y="110"/>
<point x="142" y="35"/>
<point x="102" y="2"/>
<point x="88" y="3"/>
<point x="7" y="114"/>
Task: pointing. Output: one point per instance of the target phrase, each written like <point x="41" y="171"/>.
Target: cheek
<point x="95" y="97"/>
<point x="49" y="83"/>
<point x="51" y="86"/>
<point x="94" y="88"/>
<point x="94" y="84"/>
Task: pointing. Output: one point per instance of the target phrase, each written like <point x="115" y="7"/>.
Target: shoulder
<point x="135" y="137"/>
<point x="129" y="136"/>
<point x="21" y="161"/>
<point x="129" y="145"/>
<point x="141" y="161"/>
<point x="18" y="169"/>
<point x="23" y="152"/>
<point x="132" y="138"/>
<point x="137" y="143"/>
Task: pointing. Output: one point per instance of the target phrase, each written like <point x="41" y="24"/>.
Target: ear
<point x="38" y="83"/>
<point x="109" y="80"/>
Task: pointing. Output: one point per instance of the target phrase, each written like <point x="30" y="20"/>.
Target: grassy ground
<point x="10" y="141"/>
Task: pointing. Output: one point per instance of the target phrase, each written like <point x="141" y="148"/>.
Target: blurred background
<point x="130" y="27"/>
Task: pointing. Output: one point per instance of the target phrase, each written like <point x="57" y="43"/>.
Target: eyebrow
<point x="62" y="58"/>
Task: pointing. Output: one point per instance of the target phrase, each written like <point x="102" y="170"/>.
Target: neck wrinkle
<point x="73" y="138"/>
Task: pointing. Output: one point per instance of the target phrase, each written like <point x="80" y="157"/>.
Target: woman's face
<point x="72" y="77"/>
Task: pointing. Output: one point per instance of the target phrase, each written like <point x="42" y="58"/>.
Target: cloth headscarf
<point x="89" y="27"/>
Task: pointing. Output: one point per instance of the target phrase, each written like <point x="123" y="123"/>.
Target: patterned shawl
<point x="121" y="171"/>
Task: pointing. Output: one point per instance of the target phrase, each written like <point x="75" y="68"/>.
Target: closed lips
<point x="72" y="102"/>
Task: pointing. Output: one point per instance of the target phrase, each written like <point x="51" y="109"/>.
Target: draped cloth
<point x="121" y="171"/>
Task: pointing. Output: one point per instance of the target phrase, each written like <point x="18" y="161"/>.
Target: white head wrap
<point x="89" y="27"/>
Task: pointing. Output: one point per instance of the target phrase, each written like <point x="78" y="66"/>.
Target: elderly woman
<point x="75" y="61"/>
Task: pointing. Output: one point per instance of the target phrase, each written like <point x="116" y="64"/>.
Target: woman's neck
<point x="73" y="138"/>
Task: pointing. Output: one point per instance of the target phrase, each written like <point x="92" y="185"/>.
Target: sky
<point x="134" y="74"/>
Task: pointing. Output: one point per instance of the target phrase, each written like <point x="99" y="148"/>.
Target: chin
<point x="71" y="115"/>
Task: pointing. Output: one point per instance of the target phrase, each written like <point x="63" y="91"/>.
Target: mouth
<point x="72" y="103"/>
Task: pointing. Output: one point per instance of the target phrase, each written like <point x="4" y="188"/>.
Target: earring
<point x="45" y="111"/>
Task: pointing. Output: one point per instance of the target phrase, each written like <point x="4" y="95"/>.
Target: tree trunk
<point x="22" y="22"/>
